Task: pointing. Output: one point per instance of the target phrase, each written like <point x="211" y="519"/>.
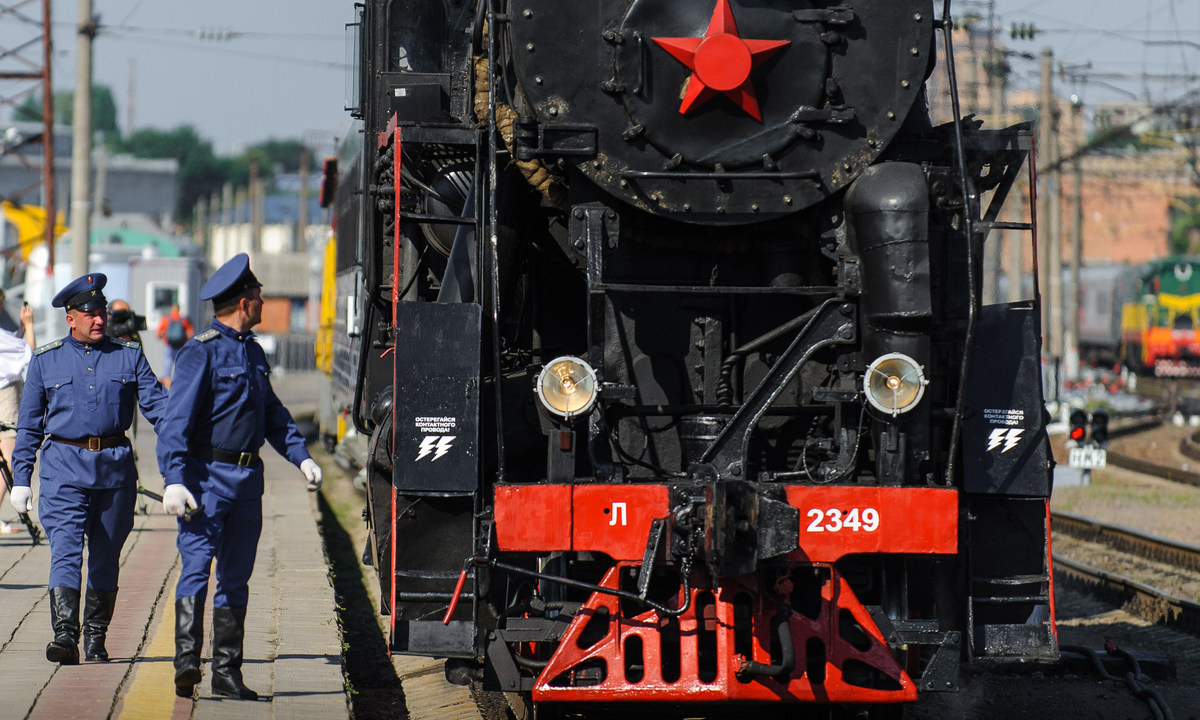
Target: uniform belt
<point x="241" y="459"/>
<point x="95" y="444"/>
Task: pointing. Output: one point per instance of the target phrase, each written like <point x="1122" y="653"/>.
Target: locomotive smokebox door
<point x="1005" y="450"/>
<point x="437" y="399"/>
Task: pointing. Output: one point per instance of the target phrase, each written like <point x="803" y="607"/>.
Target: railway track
<point x="1160" y="560"/>
<point x="1167" y="472"/>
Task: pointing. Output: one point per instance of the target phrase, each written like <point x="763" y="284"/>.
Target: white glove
<point x="21" y="498"/>
<point x="312" y="472"/>
<point x="177" y="500"/>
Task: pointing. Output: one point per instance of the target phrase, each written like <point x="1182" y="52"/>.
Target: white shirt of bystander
<point x="14" y="358"/>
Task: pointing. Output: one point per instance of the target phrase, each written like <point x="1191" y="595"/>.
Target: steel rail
<point x="1174" y="474"/>
<point x="1134" y="542"/>
<point x="1144" y="601"/>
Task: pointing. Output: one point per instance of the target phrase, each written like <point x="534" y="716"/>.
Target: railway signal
<point x="1078" y="421"/>
<point x="1087" y="452"/>
<point x="1100" y="427"/>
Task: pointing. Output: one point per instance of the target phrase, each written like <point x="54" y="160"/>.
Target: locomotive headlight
<point x="567" y="386"/>
<point x="894" y="383"/>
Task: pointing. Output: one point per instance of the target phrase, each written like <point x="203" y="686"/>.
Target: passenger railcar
<point x="663" y="320"/>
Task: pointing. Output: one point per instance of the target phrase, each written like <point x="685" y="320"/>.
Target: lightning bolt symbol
<point x="443" y="446"/>
<point x="1014" y="436"/>
<point x="427" y="446"/>
<point x="994" y="439"/>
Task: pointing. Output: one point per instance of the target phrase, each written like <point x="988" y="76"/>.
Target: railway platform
<point x="293" y="653"/>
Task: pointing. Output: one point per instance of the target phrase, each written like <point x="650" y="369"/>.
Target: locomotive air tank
<point x="887" y="216"/>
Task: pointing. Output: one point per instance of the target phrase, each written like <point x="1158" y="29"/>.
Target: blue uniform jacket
<point x="75" y="390"/>
<point x="221" y="397"/>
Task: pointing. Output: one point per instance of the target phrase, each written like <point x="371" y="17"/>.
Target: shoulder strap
<point x="48" y="347"/>
<point x="207" y="335"/>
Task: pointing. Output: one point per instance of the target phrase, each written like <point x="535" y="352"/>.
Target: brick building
<point x="1127" y="196"/>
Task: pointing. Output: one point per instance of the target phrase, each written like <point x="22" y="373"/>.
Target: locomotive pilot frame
<point x="663" y="320"/>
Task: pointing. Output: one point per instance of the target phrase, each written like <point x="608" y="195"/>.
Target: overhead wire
<point x="196" y="32"/>
<point x="226" y="50"/>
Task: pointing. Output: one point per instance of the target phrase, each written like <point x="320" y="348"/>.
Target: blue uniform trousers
<point x="225" y="529"/>
<point x="103" y="516"/>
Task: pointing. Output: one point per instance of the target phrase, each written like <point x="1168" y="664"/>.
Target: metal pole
<point x="994" y="258"/>
<point x="1045" y="197"/>
<point x="1015" y="208"/>
<point x="1076" y="229"/>
<point x="48" y="201"/>
<point x="255" y="212"/>
<point x="99" y="191"/>
<point x="301" y="244"/>
<point x="81" y="156"/>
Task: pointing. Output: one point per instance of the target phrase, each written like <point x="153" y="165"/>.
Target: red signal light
<point x="1078" y="425"/>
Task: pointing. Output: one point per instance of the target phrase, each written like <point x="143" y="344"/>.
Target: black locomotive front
<point x="694" y="398"/>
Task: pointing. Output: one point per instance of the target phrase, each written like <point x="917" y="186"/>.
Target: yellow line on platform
<point x="150" y="694"/>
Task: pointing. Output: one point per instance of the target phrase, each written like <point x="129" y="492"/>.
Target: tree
<point x="201" y="172"/>
<point x="281" y="155"/>
<point x="1185" y="226"/>
<point x="104" y="111"/>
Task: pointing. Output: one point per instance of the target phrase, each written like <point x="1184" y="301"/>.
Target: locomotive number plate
<point x="1088" y="458"/>
<point x="835" y="520"/>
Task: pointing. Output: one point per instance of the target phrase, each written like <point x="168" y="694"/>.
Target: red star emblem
<point x="720" y="62"/>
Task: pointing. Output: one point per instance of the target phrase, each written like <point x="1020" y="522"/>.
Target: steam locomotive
<point x="663" y="322"/>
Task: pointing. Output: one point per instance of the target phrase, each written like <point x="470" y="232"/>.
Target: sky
<point x="1107" y="50"/>
<point x="280" y="73"/>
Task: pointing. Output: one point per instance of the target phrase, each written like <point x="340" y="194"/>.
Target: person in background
<point x="174" y="330"/>
<point x="81" y="392"/>
<point x="123" y="322"/>
<point x="15" y="352"/>
<point x="221" y="410"/>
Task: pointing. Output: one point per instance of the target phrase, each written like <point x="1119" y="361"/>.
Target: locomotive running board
<point x="841" y="656"/>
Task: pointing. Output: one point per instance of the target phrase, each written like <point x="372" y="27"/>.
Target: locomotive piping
<point x="969" y="230"/>
<point x="493" y="243"/>
<point x="725" y="385"/>
<point x="787" y="650"/>
<point x="580" y="585"/>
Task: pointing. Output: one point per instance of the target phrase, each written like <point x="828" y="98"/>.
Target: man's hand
<point x="177" y="500"/>
<point x="21" y="498"/>
<point x="312" y="473"/>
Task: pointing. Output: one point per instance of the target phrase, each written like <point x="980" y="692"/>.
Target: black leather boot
<point x="97" y="614"/>
<point x="189" y="639"/>
<point x="64" y="618"/>
<point x="229" y="629"/>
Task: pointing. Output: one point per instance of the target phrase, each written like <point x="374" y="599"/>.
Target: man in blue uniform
<point x="80" y="395"/>
<point x="221" y="410"/>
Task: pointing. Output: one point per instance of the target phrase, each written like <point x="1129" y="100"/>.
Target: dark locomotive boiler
<point x="664" y="321"/>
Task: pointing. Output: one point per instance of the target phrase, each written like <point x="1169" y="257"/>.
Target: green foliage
<point x="1117" y="138"/>
<point x="104" y="110"/>
<point x="282" y="155"/>
<point x="201" y="171"/>
<point x="1184" y="226"/>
